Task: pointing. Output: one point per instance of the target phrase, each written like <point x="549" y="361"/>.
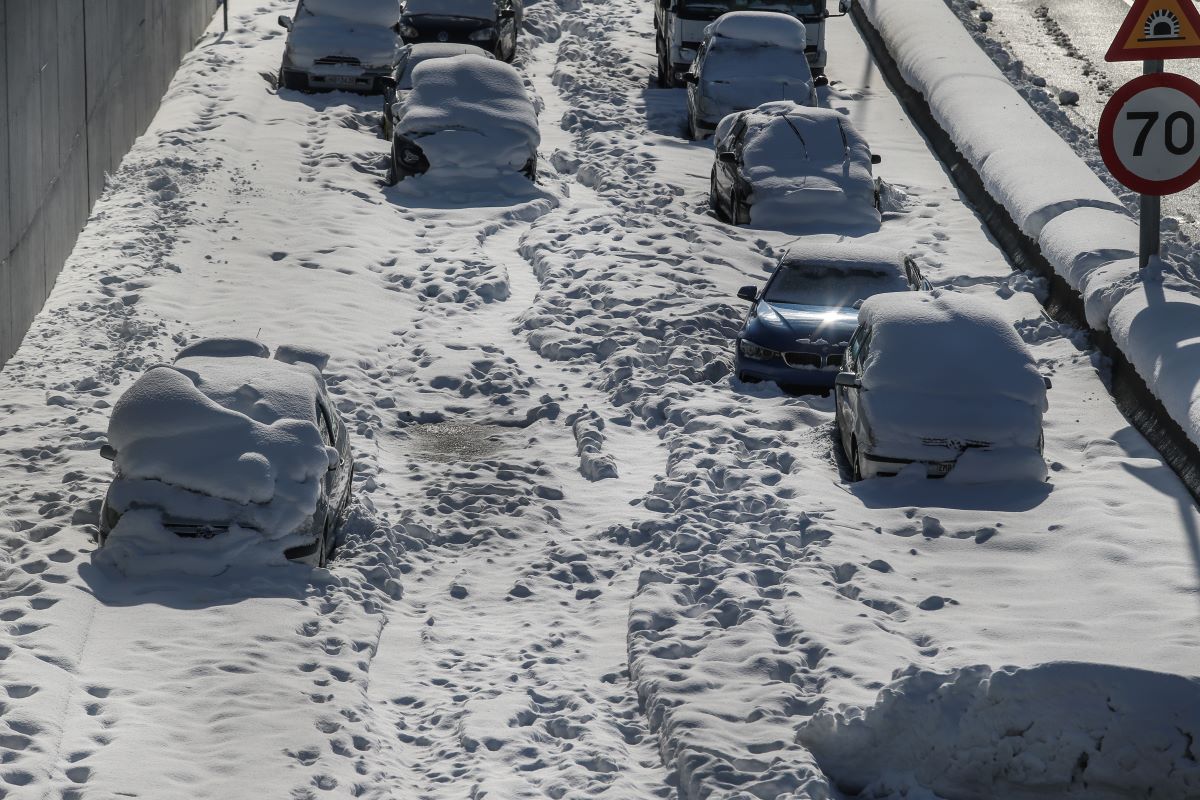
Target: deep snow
<point x="580" y="558"/>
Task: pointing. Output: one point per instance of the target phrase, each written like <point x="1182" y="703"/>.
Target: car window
<point x="326" y="426"/>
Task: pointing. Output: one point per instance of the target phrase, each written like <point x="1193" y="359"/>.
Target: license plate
<point x="939" y="469"/>
<point x="342" y="80"/>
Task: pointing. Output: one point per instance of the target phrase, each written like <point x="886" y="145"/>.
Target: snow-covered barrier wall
<point x="1059" y="210"/>
<point x="79" y="81"/>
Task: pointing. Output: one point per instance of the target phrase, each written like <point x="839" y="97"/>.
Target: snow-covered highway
<point x="581" y="559"/>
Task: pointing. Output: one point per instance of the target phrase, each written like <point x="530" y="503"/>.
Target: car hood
<point x="787" y="326"/>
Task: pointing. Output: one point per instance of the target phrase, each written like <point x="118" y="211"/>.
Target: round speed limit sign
<point x="1150" y="134"/>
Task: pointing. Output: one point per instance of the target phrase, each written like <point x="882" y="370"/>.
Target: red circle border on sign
<point x="1108" y="125"/>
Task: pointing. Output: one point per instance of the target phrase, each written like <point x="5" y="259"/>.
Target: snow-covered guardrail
<point x="1062" y="211"/>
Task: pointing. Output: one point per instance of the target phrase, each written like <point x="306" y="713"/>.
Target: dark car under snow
<point x="492" y="25"/>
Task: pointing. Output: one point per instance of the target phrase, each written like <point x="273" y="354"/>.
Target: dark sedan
<point x="490" y="24"/>
<point x="799" y="325"/>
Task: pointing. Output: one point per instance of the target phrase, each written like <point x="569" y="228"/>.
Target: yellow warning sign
<point x="1157" y="29"/>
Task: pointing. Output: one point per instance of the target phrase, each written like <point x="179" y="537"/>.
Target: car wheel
<point x="739" y="213"/>
<point x="665" y="78"/>
<point x="855" y="462"/>
<point x="714" y="197"/>
<point x="290" y="79"/>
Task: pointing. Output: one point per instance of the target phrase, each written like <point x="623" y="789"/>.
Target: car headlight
<point x="482" y="35"/>
<point x="750" y="350"/>
<point x="409" y="32"/>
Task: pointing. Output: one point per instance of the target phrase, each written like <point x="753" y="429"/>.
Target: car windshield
<point x="717" y="7"/>
<point x="829" y="287"/>
<point x="465" y="9"/>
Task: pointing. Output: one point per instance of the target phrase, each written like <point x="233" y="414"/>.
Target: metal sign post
<point x="225" y="8"/>
<point x="1150" y="206"/>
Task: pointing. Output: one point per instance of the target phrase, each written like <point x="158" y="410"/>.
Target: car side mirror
<point x="876" y="158"/>
<point x="396" y="28"/>
<point x="664" y="4"/>
<point x="847" y="380"/>
<point x="844" y="6"/>
<point x="285" y="21"/>
<point x="727" y="157"/>
<point x="1048" y="382"/>
<point x="690" y="77"/>
<point x="388" y="82"/>
<point x="748" y="293"/>
<point x="108" y="452"/>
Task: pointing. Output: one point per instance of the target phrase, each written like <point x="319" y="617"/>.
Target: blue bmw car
<point x="799" y="325"/>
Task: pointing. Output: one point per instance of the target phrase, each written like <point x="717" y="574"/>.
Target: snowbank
<point x="1056" y="730"/>
<point x="471" y="116"/>
<point x="823" y="179"/>
<point x="1053" y="197"/>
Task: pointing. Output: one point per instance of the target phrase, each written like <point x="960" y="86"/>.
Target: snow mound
<point x="474" y="9"/>
<point x="383" y="13"/>
<point x="1063" y="729"/>
<point x="806" y="166"/>
<point x="760" y="27"/>
<point x="471" y="116"/>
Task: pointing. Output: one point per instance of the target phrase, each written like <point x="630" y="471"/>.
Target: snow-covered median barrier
<point x="1052" y="196"/>
<point x="1057" y="730"/>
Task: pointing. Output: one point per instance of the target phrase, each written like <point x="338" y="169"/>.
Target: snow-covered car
<point x="397" y="87"/>
<point x="747" y="58"/>
<point x="229" y="445"/>
<point x="800" y="323"/>
<point x="785" y="165"/>
<point x="466" y="117"/>
<point x="490" y="24"/>
<point x="941" y="380"/>
<point x="349" y="45"/>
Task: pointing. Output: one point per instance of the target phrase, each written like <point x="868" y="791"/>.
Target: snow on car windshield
<point x="383" y="13"/>
<point x="830" y="287"/>
<point x="733" y="60"/>
<point x="472" y="9"/>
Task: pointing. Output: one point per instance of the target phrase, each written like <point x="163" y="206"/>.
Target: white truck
<point x="679" y="28"/>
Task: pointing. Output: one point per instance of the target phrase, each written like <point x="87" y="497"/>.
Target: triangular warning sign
<point x="1157" y="29"/>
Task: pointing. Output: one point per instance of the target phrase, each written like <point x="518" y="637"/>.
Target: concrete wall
<point x="79" y="81"/>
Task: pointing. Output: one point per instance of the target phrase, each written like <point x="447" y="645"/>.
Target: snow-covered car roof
<point x="805" y="165"/>
<point x="846" y="256"/>
<point x="224" y="421"/>
<point x="383" y="13"/>
<point x="760" y="27"/>
<point x="473" y="9"/>
<point x="948" y="345"/>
